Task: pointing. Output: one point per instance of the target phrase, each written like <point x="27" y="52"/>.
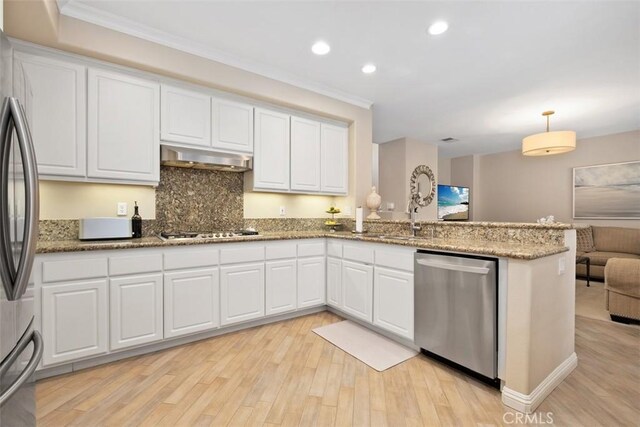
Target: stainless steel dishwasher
<point x="456" y="306"/>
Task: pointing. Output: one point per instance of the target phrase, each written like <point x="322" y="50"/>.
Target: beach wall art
<point x="609" y="191"/>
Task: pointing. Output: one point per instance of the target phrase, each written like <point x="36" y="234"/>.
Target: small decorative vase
<point x="373" y="202"/>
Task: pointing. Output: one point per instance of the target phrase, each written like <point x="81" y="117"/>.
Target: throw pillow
<point x="584" y="240"/>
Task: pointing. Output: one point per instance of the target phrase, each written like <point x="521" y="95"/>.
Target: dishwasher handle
<point x="454" y="267"/>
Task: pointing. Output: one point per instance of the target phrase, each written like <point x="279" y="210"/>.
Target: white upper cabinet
<point x="232" y="126"/>
<point x="123" y="127"/>
<point x="305" y="155"/>
<point x="185" y="116"/>
<point x="334" y="161"/>
<point x="271" y="150"/>
<point x="58" y="111"/>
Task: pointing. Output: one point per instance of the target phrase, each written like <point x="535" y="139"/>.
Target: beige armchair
<point x="622" y="289"/>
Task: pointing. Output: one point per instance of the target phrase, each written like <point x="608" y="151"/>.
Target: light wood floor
<point x="284" y="374"/>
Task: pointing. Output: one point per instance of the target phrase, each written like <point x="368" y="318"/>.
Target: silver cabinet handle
<point x="15" y="279"/>
<point x="29" y="369"/>
<point x="454" y="267"/>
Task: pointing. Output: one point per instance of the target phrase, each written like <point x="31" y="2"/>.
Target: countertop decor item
<point x="549" y="143"/>
<point x="373" y="202"/>
<point x="332" y="223"/>
<point x="423" y="186"/>
<point x="136" y="222"/>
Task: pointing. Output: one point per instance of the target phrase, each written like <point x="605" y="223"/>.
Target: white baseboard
<point x="528" y="403"/>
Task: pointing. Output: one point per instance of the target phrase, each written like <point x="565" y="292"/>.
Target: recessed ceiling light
<point x="320" y="48"/>
<point x="438" y="27"/>
<point x="369" y="68"/>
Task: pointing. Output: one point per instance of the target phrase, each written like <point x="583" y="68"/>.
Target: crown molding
<point x="84" y="12"/>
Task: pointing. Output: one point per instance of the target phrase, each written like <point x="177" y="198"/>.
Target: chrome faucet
<point x="412" y="208"/>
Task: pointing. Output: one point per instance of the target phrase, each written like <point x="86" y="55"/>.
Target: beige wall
<point x="397" y="160"/>
<point x="258" y="205"/>
<point x="540" y="317"/>
<point x="38" y="21"/>
<point x="73" y="200"/>
<point x="513" y="187"/>
<point x="444" y="170"/>
<point x="465" y="173"/>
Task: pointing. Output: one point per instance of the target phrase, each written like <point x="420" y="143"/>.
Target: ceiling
<point x="485" y="82"/>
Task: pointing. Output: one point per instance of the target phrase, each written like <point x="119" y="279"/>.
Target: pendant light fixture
<point x="548" y="143"/>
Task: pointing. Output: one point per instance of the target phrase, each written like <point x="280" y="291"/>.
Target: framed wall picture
<point x="609" y="191"/>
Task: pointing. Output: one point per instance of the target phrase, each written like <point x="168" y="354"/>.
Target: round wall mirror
<point x="423" y="186"/>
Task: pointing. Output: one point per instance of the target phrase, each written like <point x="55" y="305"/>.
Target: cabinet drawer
<point x="358" y="253"/>
<point x="312" y="248"/>
<point x="396" y="259"/>
<point x="74" y="269"/>
<point x="242" y="254"/>
<point x="135" y="264"/>
<point x="334" y="249"/>
<point x="186" y="258"/>
<point x="280" y="250"/>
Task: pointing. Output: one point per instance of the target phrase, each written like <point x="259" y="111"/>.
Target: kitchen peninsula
<point x="244" y="281"/>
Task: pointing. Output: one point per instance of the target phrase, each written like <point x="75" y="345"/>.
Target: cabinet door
<point x="281" y="290"/>
<point x="357" y="290"/>
<point x="232" y="126"/>
<point x="191" y="301"/>
<point x="58" y="113"/>
<point x="271" y="151"/>
<point x="241" y="293"/>
<point x="185" y="116"/>
<point x="74" y="321"/>
<point x="393" y="301"/>
<point x="311" y="283"/>
<point x="305" y="155"/>
<point x="334" y="148"/>
<point x="334" y="282"/>
<point x="123" y="128"/>
<point x="136" y="310"/>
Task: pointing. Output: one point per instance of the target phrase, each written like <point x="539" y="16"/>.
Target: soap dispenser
<point x="136" y="222"/>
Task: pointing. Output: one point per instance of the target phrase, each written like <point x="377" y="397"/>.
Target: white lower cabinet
<point x="334" y="282"/>
<point x="393" y="301"/>
<point x="74" y="320"/>
<point x="190" y="301"/>
<point x="280" y="286"/>
<point x="135" y="310"/>
<point x="241" y="292"/>
<point x="357" y="290"/>
<point x="311" y="283"/>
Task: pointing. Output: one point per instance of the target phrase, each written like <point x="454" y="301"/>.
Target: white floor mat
<point x="377" y="351"/>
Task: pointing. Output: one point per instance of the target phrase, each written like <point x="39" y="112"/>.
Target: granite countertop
<point x="502" y="249"/>
<point x="483" y="224"/>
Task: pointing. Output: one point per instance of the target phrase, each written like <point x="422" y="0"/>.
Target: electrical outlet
<point x="283" y="211"/>
<point x="347" y="211"/>
<point x="122" y="208"/>
<point x="391" y="206"/>
<point x="561" y="266"/>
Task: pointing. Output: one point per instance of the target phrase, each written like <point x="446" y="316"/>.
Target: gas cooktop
<point x="191" y="235"/>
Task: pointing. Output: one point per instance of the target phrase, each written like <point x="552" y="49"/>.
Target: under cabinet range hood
<point x="204" y="159"/>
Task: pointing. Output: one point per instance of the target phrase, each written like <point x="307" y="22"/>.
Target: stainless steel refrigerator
<point x="20" y="343"/>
